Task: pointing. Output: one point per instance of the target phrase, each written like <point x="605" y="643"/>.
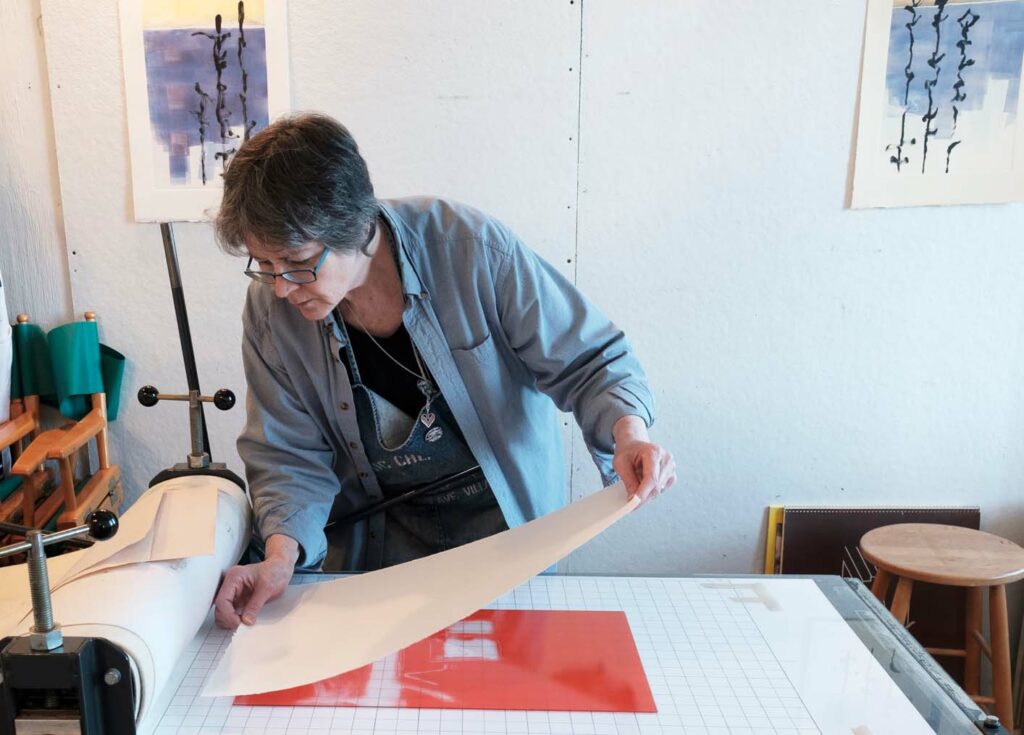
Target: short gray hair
<point x="299" y="179"/>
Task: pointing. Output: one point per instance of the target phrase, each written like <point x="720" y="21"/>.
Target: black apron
<point x="407" y="452"/>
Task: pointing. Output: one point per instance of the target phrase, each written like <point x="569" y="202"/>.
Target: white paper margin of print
<point x="185" y="205"/>
<point x="317" y="631"/>
<point x="810" y="639"/>
<point x="872" y="184"/>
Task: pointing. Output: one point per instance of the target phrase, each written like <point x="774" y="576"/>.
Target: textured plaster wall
<point x="689" y="170"/>
<point x="33" y="260"/>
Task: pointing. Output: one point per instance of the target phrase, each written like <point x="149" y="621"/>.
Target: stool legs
<point x="901" y="600"/>
<point x="900" y="607"/>
<point x="999" y="630"/>
<point x="972" y="646"/>
<point x="997" y="647"/>
<point x="880" y="586"/>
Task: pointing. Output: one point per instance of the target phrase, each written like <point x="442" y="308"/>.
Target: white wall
<point x="800" y="352"/>
<point x="33" y="259"/>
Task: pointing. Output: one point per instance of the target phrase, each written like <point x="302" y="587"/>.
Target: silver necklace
<point x="415" y="353"/>
<point x="426" y="387"/>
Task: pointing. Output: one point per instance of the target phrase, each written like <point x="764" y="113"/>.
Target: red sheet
<point x="555" y="660"/>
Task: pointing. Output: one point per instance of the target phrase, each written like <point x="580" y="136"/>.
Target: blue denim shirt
<point x="506" y="337"/>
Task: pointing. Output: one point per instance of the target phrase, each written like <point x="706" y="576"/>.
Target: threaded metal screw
<point x="39" y="583"/>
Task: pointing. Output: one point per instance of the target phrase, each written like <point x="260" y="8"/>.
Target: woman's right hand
<point x="246" y="589"/>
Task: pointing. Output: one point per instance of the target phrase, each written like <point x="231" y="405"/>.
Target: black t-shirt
<point x="381" y="375"/>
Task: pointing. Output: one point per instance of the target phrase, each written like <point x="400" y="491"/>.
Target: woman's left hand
<point x="645" y="468"/>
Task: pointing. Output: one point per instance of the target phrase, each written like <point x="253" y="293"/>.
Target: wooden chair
<point x="68" y="446"/>
<point x="15" y="434"/>
<point x="959" y="557"/>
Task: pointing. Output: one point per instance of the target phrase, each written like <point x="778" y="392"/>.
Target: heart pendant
<point x="428" y="418"/>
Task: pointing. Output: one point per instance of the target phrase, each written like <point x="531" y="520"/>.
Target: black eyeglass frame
<point x="298" y="275"/>
<point x="293" y="276"/>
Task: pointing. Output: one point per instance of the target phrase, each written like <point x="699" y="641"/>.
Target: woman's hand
<point x="645" y="468"/>
<point x="246" y="589"/>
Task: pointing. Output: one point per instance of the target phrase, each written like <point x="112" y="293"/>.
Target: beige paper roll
<point x="153" y="609"/>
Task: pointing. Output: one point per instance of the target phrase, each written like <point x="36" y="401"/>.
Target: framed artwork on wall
<point x="941" y="120"/>
<point x="201" y="77"/>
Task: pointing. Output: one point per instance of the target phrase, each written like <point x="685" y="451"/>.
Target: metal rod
<point x="181" y="314"/>
<point x="15" y="529"/>
<point x="381" y="505"/>
<point x="47" y="540"/>
<point x="196" y="429"/>
<point x="197" y="458"/>
<point x="183" y="397"/>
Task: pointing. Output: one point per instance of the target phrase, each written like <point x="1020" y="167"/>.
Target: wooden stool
<point x="959" y="557"/>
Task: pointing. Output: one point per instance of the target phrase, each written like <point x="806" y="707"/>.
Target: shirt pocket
<point x="483" y="373"/>
<point x="480" y="353"/>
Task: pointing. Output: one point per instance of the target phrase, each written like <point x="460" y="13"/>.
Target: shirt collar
<point x="412" y="286"/>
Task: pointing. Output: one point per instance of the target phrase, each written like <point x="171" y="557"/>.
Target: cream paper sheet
<point x="176" y="520"/>
<point x="317" y="631"/>
<point x="151" y="530"/>
<point x="152" y="607"/>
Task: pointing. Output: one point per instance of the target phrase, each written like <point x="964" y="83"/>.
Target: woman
<point x="393" y="345"/>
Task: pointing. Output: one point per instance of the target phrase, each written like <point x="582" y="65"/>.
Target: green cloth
<point x="31" y="374"/>
<point x="75" y="351"/>
<point x="65" y="367"/>
<point x="8" y="486"/>
<point x="112" y="365"/>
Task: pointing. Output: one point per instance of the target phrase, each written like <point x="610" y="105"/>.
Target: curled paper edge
<point x="314" y="632"/>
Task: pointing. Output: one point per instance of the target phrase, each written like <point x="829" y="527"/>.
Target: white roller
<point x="151" y="609"/>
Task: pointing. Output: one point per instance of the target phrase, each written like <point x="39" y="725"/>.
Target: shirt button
<point x="343" y="406"/>
<point x="353" y="445"/>
<point x="364" y="474"/>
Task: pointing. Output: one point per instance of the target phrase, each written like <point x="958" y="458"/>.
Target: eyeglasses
<point x="301" y="275"/>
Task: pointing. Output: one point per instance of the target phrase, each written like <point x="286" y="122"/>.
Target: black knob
<point x="223" y="399"/>
<point x="148" y="395"/>
<point x="102" y="524"/>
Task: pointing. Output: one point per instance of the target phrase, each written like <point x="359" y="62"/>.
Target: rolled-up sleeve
<point x="582" y="361"/>
<point x="288" y="462"/>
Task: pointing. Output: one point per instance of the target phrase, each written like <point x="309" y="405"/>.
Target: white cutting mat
<point x="764" y="655"/>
